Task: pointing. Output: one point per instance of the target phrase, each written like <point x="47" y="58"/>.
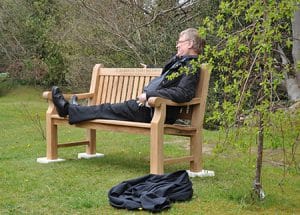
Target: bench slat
<point x="135" y="88"/>
<point x="109" y="89"/>
<point x="104" y="89"/>
<point x="119" y="87"/>
<point x="130" y="88"/>
<point x="141" y="85"/>
<point x="125" y="89"/>
<point x="114" y="87"/>
<point x="100" y="89"/>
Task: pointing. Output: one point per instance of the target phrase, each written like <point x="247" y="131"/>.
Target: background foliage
<point x="248" y="70"/>
<point x="57" y="42"/>
<point x="29" y="52"/>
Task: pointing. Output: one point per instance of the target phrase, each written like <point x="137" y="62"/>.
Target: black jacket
<point x="152" y="192"/>
<point x="181" y="88"/>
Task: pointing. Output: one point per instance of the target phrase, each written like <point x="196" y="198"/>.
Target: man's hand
<point x="142" y="100"/>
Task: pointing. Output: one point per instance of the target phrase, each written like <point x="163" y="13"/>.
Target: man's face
<point x="183" y="46"/>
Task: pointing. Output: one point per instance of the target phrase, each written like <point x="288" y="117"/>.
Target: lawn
<point x="81" y="186"/>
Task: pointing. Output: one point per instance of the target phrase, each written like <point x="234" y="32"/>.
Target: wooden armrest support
<point x="157" y="101"/>
<point x="48" y="95"/>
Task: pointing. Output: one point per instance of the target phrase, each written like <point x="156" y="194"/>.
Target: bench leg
<point x="156" y="151"/>
<point x="196" y="152"/>
<point x="90" y="150"/>
<point x="196" y="169"/>
<point x="51" y="139"/>
<point x="91" y="137"/>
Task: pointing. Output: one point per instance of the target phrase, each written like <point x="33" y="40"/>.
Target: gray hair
<point x="193" y="35"/>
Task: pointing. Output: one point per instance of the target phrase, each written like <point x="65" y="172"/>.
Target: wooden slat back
<point x="121" y="84"/>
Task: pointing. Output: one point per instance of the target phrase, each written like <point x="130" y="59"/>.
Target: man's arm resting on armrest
<point x="156" y="101"/>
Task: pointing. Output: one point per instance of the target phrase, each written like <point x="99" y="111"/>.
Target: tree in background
<point x="138" y="31"/>
<point x="293" y="83"/>
<point x="247" y="66"/>
<point x="28" y="51"/>
<point x="127" y="33"/>
<point x="58" y="42"/>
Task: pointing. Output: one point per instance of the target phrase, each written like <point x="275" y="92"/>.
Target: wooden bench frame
<point x="134" y="79"/>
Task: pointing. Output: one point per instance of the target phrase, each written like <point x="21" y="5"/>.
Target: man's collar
<point x="187" y="57"/>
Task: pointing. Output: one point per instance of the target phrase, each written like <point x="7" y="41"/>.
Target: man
<point x="178" y="89"/>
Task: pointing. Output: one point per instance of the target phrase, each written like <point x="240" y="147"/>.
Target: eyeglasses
<point x="181" y="41"/>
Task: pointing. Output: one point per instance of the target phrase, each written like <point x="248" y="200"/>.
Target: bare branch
<point x="162" y="13"/>
<point x="115" y="30"/>
<point x="135" y="3"/>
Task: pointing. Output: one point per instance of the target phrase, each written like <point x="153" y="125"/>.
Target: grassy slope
<point x="81" y="186"/>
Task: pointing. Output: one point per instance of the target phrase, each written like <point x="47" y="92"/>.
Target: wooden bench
<point x="115" y="85"/>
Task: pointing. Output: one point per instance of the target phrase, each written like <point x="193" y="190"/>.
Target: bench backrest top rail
<point x="151" y="72"/>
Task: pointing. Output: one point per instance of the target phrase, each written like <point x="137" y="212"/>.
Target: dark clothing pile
<point x="179" y="89"/>
<point x="152" y="192"/>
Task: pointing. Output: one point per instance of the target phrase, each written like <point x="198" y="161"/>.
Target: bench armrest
<point x="157" y="101"/>
<point x="48" y="95"/>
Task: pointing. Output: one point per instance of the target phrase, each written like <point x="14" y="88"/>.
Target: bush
<point x="4" y="83"/>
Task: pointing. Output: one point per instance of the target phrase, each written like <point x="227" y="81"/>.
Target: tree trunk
<point x="296" y="42"/>
<point x="257" y="186"/>
<point x="293" y="84"/>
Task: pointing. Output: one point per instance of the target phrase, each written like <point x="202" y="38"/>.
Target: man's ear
<point x="191" y="43"/>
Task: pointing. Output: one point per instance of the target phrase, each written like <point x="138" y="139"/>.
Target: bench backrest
<point x="114" y="85"/>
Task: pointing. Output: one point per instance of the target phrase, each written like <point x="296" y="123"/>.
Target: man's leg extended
<point x="126" y="111"/>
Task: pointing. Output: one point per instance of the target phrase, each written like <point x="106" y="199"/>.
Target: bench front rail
<point x="114" y="85"/>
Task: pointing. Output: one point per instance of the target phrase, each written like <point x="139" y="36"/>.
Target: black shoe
<point x="73" y="100"/>
<point x="62" y="105"/>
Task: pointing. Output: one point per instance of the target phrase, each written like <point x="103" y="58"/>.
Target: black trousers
<point x="126" y="111"/>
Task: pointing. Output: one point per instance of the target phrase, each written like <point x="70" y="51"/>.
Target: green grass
<point x="81" y="186"/>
